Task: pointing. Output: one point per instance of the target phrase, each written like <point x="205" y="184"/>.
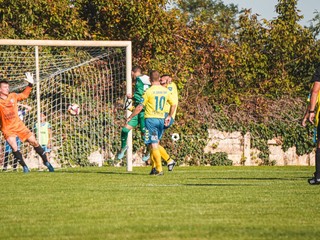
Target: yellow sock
<point x="153" y="163"/>
<point x="165" y="156"/>
<point x="157" y="158"/>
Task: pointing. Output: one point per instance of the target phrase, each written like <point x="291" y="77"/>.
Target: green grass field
<point x="189" y="203"/>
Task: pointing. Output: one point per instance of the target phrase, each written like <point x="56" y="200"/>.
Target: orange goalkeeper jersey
<point x="9" y="118"/>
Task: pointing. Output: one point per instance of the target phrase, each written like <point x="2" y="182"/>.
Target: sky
<point x="266" y="8"/>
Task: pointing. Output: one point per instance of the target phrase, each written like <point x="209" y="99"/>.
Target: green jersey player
<point x="142" y="84"/>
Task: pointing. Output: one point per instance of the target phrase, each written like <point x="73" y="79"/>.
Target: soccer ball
<point x="175" y="137"/>
<point x="74" y="109"/>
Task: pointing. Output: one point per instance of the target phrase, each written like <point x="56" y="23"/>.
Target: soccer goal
<point x="95" y="75"/>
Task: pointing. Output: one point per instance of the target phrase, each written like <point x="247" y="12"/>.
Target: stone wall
<point x="237" y="146"/>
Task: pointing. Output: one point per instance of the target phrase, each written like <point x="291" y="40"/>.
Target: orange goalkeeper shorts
<point x="21" y="131"/>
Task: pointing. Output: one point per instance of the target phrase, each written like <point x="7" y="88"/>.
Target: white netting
<point x="92" y="77"/>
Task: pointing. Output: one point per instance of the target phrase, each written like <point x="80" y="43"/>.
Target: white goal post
<point x="94" y="74"/>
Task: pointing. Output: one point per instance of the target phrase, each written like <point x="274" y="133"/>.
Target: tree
<point x="290" y="49"/>
<point x="210" y="12"/>
<point x="315" y="25"/>
<point x="41" y="19"/>
<point x="250" y="69"/>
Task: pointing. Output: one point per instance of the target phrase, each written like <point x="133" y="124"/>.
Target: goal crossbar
<point x="65" y="43"/>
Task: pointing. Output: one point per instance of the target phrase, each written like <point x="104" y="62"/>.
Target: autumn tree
<point x="41" y="19"/>
<point x="315" y="24"/>
<point x="290" y="49"/>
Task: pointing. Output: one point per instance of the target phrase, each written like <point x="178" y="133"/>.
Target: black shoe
<point x="153" y="170"/>
<point x="314" y="181"/>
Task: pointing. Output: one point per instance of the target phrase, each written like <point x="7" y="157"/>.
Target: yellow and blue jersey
<point x="154" y="101"/>
<point x="172" y="87"/>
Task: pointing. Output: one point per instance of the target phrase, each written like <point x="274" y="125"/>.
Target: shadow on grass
<point x="266" y="179"/>
<point x="100" y="172"/>
<point x="253" y="178"/>
<point x="218" y="184"/>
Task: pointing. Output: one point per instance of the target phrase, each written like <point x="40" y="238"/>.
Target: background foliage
<point x="233" y="71"/>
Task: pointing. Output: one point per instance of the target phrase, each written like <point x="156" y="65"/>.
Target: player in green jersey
<point x="142" y="84"/>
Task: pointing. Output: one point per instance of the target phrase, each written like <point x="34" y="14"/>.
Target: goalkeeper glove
<point x="29" y="78"/>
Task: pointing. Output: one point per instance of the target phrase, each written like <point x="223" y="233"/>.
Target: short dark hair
<point x="136" y="68"/>
<point x="4" y="81"/>
<point x="166" y="75"/>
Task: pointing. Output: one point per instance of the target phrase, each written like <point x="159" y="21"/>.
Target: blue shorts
<point x="46" y="149"/>
<point x="171" y="122"/>
<point x="7" y="147"/>
<point x="154" y="130"/>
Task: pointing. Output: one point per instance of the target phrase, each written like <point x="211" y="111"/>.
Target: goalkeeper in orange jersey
<point x="23" y="109"/>
<point x="154" y="100"/>
<point x="12" y="126"/>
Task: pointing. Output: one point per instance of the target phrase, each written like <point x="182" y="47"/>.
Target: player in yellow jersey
<point x="166" y="81"/>
<point x="312" y="114"/>
<point x="153" y="101"/>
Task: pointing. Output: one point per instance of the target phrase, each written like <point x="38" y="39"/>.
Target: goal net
<point x="95" y="75"/>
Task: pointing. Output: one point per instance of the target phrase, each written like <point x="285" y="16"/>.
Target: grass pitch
<point x="189" y="203"/>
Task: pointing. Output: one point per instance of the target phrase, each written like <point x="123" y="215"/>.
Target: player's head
<point x="168" y="77"/>
<point x="43" y="117"/>
<point x="4" y="87"/>
<point x="154" y="76"/>
<point x="136" y="71"/>
<point x="164" y="80"/>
